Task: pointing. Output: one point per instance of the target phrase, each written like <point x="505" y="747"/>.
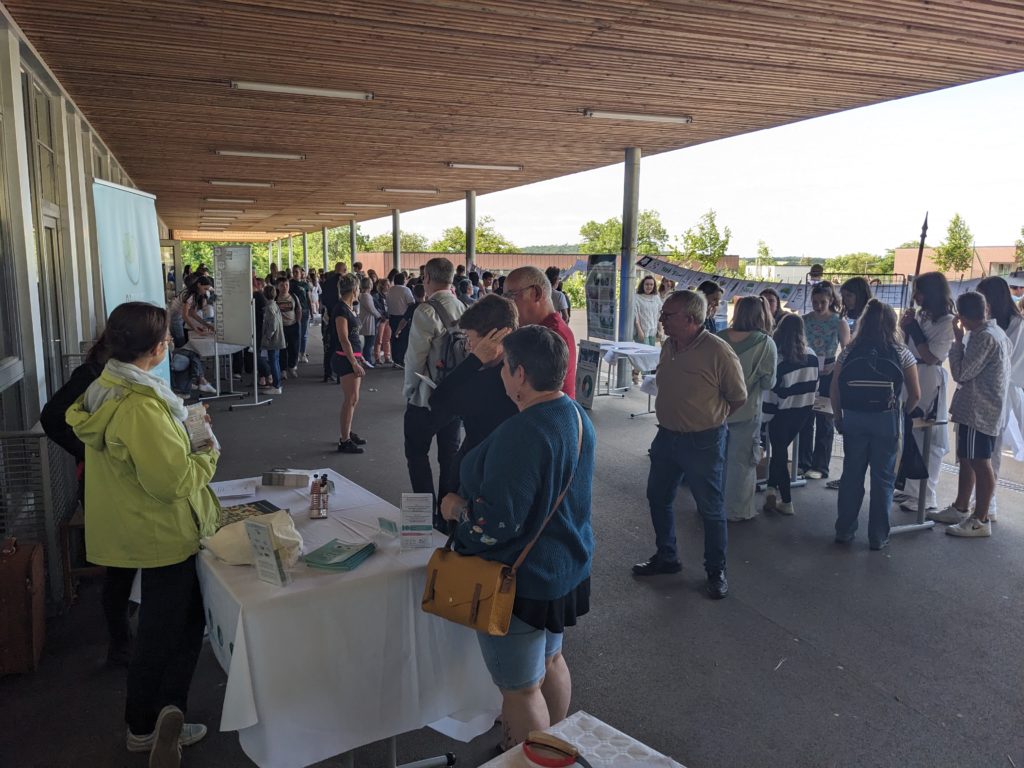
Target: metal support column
<point x="305" y="252"/>
<point x="352" y="242"/>
<point x="291" y="259"/>
<point x="326" y="267"/>
<point x="396" y="242"/>
<point x="470" y="229"/>
<point x="627" y="265"/>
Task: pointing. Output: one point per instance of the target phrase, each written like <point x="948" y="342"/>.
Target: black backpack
<point x="871" y="380"/>
<point x="453" y="349"/>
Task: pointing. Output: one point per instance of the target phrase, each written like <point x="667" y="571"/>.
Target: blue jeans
<point x="274" y="360"/>
<point x="303" y="333"/>
<point x="700" y="456"/>
<point x="869" y="439"/>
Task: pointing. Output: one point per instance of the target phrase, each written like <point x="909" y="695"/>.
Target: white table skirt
<point x="643" y="357"/>
<point x="334" y="661"/>
<point x="204" y="346"/>
<point x="602" y="745"/>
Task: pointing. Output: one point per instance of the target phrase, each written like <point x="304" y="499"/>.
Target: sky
<point x="859" y="180"/>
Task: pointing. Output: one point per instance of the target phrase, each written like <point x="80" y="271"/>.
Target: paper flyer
<point x="417" y="520"/>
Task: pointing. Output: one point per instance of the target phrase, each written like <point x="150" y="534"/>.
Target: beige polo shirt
<point x="696" y="385"/>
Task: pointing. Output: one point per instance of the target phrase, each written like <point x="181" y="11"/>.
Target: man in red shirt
<point x="530" y="289"/>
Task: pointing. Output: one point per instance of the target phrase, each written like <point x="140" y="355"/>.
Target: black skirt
<point x="554" y="615"/>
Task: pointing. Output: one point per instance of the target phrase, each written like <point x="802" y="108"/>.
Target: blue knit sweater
<point x="512" y="480"/>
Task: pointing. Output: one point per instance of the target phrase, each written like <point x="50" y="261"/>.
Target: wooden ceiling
<point x="489" y="81"/>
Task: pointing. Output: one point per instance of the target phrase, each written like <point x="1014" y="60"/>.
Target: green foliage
<point x="574" y="288"/>
<point x="764" y="253"/>
<point x="410" y="242"/>
<point x="861" y="263"/>
<point x="957" y="252"/>
<point x="606" y="236"/>
<point x="488" y="239"/>
<point x="704" y="243"/>
<point x="1018" y="250"/>
<point x="564" y="248"/>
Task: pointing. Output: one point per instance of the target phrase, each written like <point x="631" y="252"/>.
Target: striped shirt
<point x="796" y="385"/>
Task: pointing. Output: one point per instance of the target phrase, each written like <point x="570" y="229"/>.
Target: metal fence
<point x="890" y="288"/>
<point x="38" y="492"/>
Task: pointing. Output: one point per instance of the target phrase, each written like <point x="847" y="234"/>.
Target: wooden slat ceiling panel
<point x="489" y="81"/>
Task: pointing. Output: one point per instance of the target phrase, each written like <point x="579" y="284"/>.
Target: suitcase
<point x="22" y="606"/>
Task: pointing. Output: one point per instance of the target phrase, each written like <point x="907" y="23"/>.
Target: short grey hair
<point x="530" y="276"/>
<point x="439" y="270"/>
<point x="347" y="284"/>
<point x="694" y="303"/>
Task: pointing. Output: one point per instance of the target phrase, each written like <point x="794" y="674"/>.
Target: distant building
<point x="989" y="260"/>
<point x="380" y="261"/>
<point x="774" y="273"/>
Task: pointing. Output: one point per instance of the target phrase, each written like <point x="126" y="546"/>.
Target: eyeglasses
<point x="512" y="294"/>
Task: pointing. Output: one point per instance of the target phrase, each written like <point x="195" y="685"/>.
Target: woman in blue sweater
<point x="509" y="485"/>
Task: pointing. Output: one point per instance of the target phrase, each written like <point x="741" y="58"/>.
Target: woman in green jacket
<point x="147" y="504"/>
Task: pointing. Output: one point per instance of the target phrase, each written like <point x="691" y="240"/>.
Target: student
<point x="774" y="305"/>
<point x="273" y="340"/>
<point x="787" y="407"/>
<point x="826" y="334"/>
<point x="929" y="334"/>
<point x="346" y="360"/>
<point x="646" y="311"/>
<point x="291" y="318"/>
<point x="558" y="299"/>
<point x="382" y="342"/>
<point x="666" y="288"/>
<point x="749" y="340"/>
<point x="299" y="288"/>
<point x="399" y="299"/>
<point x="981" y="369"/>
<point x="713" y="293"/>
<point x="869" y="418"/>
<point x="855" y="293"/>
<point x="1008" y="316"/>
<point x="369" y="317"/>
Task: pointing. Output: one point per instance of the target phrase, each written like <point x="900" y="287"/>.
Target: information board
<point x="232" y="276"/>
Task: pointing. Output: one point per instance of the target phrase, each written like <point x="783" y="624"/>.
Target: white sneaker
<point x="813" y="474"/>
<point x="270" y="390"/>
<point x="294" y="373"/>
<point x="971" y="527"/>
<point x="208" y="388"/>
<point x="305" y="358"/>
<point x="190" y="734"/>
<point x="784" y="507"/>
<point x="992" y="515"/>
<point x="950" y="515"/>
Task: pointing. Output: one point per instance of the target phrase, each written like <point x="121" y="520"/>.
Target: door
<point x="50" y="303"/>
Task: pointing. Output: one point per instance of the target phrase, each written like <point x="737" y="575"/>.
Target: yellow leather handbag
<point x="479" y="593"/>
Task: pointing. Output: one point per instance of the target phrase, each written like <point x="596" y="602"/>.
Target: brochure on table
<point x="417" y="520"/>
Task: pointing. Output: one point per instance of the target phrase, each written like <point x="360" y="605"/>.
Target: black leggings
<point x="782" y="431"/>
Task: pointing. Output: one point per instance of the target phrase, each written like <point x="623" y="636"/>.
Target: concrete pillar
<point x="470" y="229"/>
<point x="352" y="242"/>
<point x="396" y="242"/>
<point x="324" y="233"/>
<point x="627" y="265"/>
<point x="305" y="252"/>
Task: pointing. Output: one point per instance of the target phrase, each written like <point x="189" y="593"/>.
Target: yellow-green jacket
<point x="147" y="496"/>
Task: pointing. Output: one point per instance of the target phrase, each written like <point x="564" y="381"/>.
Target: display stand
<point x="922" y="485"/>
<point x="256" y="401"/>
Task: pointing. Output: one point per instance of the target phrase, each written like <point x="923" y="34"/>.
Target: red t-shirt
<point x="555" y="322"/>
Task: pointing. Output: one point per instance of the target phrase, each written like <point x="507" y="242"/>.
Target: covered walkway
<point x="821" y="656"/>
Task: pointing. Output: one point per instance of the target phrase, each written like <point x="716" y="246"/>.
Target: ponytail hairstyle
<point x="133" y="330"/>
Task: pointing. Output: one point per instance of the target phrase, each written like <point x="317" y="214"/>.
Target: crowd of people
<point x="488" y="373"/>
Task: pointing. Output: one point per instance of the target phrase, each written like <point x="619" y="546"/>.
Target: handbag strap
<point x="561" y="496"/>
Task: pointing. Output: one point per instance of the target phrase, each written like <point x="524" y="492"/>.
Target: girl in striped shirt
<point x="787" y="406"/>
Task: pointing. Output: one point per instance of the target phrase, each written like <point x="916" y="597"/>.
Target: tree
<point x="1018" y="250"/>
<point x="606" y="236"/>
<point x="410" y="242"/>
<point x="957" y="252"/>
<point x="704" y="243"/>
<point x="861" y="263"/>
<point x="488" y="239"/>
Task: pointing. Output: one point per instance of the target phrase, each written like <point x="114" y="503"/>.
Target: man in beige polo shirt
<point x="700" y="382"/>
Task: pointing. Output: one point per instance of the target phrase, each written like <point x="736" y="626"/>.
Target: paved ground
<point x="821" y="657"/>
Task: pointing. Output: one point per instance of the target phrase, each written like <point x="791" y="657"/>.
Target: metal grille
<point x="38" y="492"/>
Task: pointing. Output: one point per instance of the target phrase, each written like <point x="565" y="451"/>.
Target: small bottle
<point x="317" y="510"/>
<point x="325" y="494"/>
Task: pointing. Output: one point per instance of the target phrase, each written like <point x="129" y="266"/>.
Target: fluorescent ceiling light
<point x="485" y="166"/>
<point x="367" y="205"/>
<point x="250" y="200"/>
<point x="335" y="215"/>
<point x="301" y="90"/>
<point x="263" y="155"/>
<point x="219" y="210"/>
<point x="315" y="221"/>
<point x="684" y="119"/>
<point x="232" y="183"/>
<point x="217" y="219"/>
<point x="408" y="191"/>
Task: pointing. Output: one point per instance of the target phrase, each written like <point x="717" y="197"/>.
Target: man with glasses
<point x="700" y="383"/>
<point x="530" y="289"/>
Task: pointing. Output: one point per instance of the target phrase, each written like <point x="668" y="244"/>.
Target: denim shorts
<point x="517" y="660"/>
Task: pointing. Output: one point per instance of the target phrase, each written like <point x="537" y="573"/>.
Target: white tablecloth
<point x="335" y="661"/>
<point x="204" y="346"/>
<point x="643" y="357"/>
<point x="602" y="745"/>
